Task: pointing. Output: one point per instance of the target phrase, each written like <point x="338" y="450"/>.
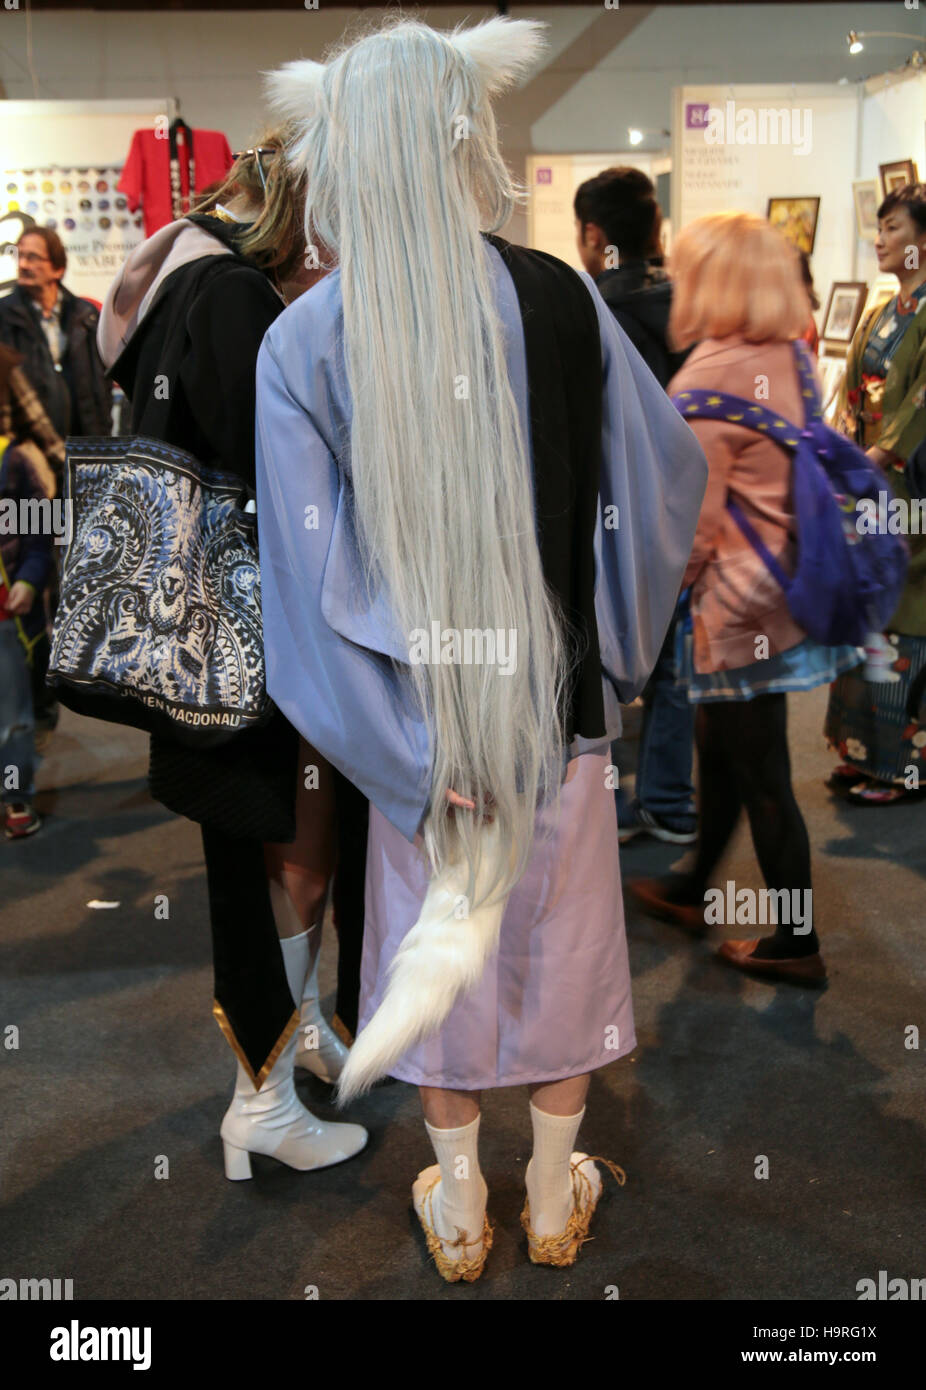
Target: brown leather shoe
<point x="801" y="970"/>
<point x="650" y="896"/>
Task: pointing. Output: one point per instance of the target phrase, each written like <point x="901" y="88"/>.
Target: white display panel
<point x="60" y="166"/>
<point x="893" y="127"/>
<point x="810" y="154"/>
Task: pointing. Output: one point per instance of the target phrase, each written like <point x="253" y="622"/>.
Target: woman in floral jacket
<point x="870" y="718"/>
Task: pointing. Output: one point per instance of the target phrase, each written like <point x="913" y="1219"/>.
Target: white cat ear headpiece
<point x="294" y="90"/>
<point x="504" y="51"/>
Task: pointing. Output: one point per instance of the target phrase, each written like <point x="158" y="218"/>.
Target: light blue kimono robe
<point x="330" y="655"/>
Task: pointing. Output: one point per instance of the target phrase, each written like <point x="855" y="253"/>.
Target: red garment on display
<point x="145" y="179"/>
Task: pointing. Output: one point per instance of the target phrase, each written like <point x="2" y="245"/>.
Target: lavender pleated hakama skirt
<point x="554" y="1001"/>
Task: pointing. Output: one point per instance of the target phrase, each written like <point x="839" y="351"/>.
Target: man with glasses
<point x="55" y="333"/>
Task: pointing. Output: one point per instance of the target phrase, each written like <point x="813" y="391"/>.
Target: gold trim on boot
<point x="561" y="1250"/>
<point x="453" y="1270"/>
<point x="257" y="1078"/>
<point x="342" y="1030"/>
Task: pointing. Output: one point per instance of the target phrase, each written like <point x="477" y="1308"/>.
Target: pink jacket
<point x="735" y="601"/>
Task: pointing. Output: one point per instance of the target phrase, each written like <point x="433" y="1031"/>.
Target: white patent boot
<point x="319" y="1050"/>
<point x="273" y="1120"/>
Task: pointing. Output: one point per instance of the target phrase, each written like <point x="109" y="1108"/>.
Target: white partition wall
<point x="771" y="141"/>
<point x="893" y="127"/>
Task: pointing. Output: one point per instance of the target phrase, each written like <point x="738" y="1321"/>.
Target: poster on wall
<point x="82" y="205"/>
<point x="716" y="171"/>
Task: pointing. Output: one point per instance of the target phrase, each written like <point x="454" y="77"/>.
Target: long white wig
<point x="399" y="144"/>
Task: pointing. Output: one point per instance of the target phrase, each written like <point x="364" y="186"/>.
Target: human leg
<point x="271" y="1119"/>
<point x="298" y="875"/>
<point x="563" y="1184"/>
<point x="449" y="1197"/>
<point x="17" y="733"/>
<point x="762" y="768"/>
<point x="347" y="896"/>
<point x="664" y="786"/>
<point x="557" y="1109"/>
<point x="680" y="897"/>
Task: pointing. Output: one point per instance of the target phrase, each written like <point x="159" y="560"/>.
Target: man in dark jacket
<point x="55" y="334"/>
<point x="25" y="563"/>
<point x="618" y="222"/>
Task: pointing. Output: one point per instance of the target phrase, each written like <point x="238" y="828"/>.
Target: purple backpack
<point x="846" y="584"/>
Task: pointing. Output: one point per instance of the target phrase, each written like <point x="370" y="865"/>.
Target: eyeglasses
<point x="28" y="257"/>
<point x="258" y="153"/>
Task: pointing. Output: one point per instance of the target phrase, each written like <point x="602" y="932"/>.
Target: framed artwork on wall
<point x="867" y="195"/>
<point x="843" y="311"/>
<point x="796" y="219"/>
<point x="897" y="174"/>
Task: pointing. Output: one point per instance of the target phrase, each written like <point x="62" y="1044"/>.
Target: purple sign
<point x="545" y="175"/>
<point x="696" y="117"/>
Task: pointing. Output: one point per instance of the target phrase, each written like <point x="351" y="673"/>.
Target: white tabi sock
<point x="548" y="1176"/>
<point x="460" y="1200"/>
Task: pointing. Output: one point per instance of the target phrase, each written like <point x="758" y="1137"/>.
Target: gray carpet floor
<point x="120" y="1065"/>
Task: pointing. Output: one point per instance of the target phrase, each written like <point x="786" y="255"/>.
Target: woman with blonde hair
<point x="739" y="296"/>
<point x="190" y="307"/>
<point x="451" y="432"/>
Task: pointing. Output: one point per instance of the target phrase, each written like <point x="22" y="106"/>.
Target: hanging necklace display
<point x="180" y="204"/>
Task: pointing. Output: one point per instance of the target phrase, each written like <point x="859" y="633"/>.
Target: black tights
<point x="743" y="761"/>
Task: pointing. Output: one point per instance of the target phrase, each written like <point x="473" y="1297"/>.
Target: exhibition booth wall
<point x="812" y="158"/>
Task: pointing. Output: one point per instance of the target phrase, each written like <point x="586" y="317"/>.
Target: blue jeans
<point x="17" y="723"/>
<point x="664" y="785"/>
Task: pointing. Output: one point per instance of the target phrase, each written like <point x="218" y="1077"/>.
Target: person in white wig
<point x="474" y="501"/>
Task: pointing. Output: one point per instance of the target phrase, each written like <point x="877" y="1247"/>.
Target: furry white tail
<point x="442" y="956"/>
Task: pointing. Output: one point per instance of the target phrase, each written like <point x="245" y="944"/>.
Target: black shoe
<point x="639" y="821"/>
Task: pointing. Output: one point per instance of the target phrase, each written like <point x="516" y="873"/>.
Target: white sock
<point x="461" y="1198"/>
<point x="549" y="1180"/>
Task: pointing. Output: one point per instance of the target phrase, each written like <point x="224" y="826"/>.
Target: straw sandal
<point x="562" y="1249"/>
<point x="467" y="1268"/>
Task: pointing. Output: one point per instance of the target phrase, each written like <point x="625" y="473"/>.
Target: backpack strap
<point x="717" y="405"/>
<point x="758" y="545"/>
<point x="810" y="392"/>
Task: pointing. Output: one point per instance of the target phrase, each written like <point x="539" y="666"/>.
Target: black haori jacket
<point x="564" y="375"/>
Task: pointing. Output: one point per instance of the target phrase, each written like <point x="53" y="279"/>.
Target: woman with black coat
<point x="180" y="332"/>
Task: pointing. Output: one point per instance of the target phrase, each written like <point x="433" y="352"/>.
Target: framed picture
<point x="883" y="288"/>
<point x="843" y="311"/>
<point x="867" y="201"/>
<point x="796" y="219"/>
<point x="897" y="174"/>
